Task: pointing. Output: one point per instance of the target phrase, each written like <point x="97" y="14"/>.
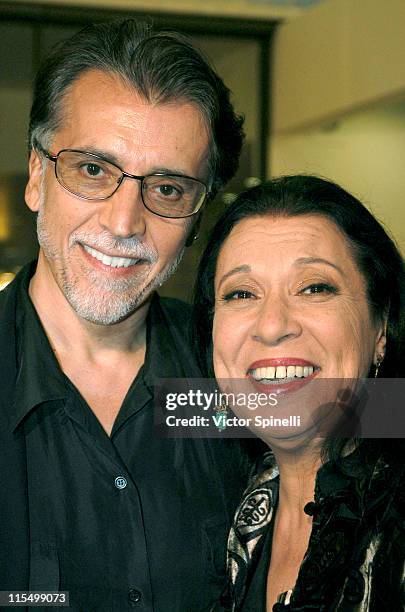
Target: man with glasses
<point x="131" y="132"/>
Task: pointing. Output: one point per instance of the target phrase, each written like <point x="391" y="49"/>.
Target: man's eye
<point x="93" y="170"/>
<point x="239" y="294"/>
<point x="168" y="191"/>
<point x="317" y="288"/>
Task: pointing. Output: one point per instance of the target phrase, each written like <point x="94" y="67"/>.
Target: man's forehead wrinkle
<point x="109" y="118"/>
<point x="84" y="85"/>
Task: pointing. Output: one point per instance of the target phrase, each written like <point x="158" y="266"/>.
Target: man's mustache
<point x="130" y="247"/>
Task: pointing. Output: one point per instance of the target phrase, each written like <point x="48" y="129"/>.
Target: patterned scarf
<point x="251" y="522"/>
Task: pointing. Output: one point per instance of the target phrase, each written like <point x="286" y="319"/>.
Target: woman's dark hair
<point x="375" y="253"/>
<point x="161" y="66"/>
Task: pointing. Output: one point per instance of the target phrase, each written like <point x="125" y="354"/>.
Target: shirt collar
<point x="39" y="377"/>
<point x="168" y="355"/>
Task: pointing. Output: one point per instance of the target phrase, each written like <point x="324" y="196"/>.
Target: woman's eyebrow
<point x="312" y="260"/>
<point x="237" y="270"/>
<point x="299" y="261"/>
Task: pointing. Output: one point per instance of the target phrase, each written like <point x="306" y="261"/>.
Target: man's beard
<point x="112" y="300"/>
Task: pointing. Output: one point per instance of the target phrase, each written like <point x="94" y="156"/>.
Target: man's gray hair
<point x="161" y="66"/>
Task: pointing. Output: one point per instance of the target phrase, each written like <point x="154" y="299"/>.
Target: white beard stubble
<point x="111" y="300"/>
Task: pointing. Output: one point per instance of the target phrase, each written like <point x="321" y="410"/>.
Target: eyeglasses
<point x="90" y="177"/>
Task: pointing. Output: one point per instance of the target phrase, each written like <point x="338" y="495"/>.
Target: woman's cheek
<point x="357" y="341"/>
<point x="224" y="351"/>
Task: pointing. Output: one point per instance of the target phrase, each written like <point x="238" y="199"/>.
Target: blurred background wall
<point x="321" y="84"/>
<point x="339" y="102"/>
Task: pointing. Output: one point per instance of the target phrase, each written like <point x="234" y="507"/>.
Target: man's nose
<point x="277" y="321"/>
<point x="123" y="214"/>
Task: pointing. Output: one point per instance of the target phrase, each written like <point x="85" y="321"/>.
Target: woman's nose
<point x="276" y="322"/>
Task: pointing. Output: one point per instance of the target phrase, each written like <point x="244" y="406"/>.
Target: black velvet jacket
<point x="355" y="561"/>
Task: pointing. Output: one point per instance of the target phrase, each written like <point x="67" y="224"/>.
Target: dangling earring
<point x="222" y="413"/>
<point x="379" y="361"/>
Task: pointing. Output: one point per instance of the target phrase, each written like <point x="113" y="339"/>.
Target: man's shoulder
<point x="10" y="311"/>
<point x="8" y="316"/>
<point x="9" y="295"/>
<point x="8" y="300"/>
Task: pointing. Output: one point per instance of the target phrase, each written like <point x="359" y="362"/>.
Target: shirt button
<point x="134" y="596"/>
<point x="120" y="482"/>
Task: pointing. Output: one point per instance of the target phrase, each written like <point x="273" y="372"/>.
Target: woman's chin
<point x="299" y="417"/>
<point x="302" y="442"/>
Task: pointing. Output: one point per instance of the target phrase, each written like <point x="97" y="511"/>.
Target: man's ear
<point x="193" y="233"/>
<point x="33" y="188"/>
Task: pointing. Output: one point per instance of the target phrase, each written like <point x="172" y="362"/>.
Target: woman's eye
<point x="238" y="294"/>
<point x="318" y="288"/>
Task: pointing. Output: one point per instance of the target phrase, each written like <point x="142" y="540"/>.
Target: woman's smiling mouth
<point x="282" y="373"/>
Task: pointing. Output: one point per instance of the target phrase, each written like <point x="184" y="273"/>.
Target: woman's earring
<point x="191" y="239"/>
<point x="221" y="415"/>
<point x="378" y="362"/>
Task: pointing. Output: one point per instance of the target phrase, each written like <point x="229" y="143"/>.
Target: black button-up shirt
<point x="126" y="522"/>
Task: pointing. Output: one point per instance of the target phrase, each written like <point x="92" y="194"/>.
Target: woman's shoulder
<point x="358" y="537"/>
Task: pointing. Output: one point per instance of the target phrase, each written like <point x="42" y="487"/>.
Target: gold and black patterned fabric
<point x="355" y="561"/>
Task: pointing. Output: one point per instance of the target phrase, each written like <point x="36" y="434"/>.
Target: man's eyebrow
<point x="110" y="157"/>
<point x="237" y="270"/>
<point x="162" y="170"/>
<point x="313" y="260"/>
<point x="106" y="155"/>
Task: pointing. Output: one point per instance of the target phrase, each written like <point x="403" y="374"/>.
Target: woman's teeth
<point x="281" y="372"/>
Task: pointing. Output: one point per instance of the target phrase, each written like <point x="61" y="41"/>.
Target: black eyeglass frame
<point x="54" y="159"/>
